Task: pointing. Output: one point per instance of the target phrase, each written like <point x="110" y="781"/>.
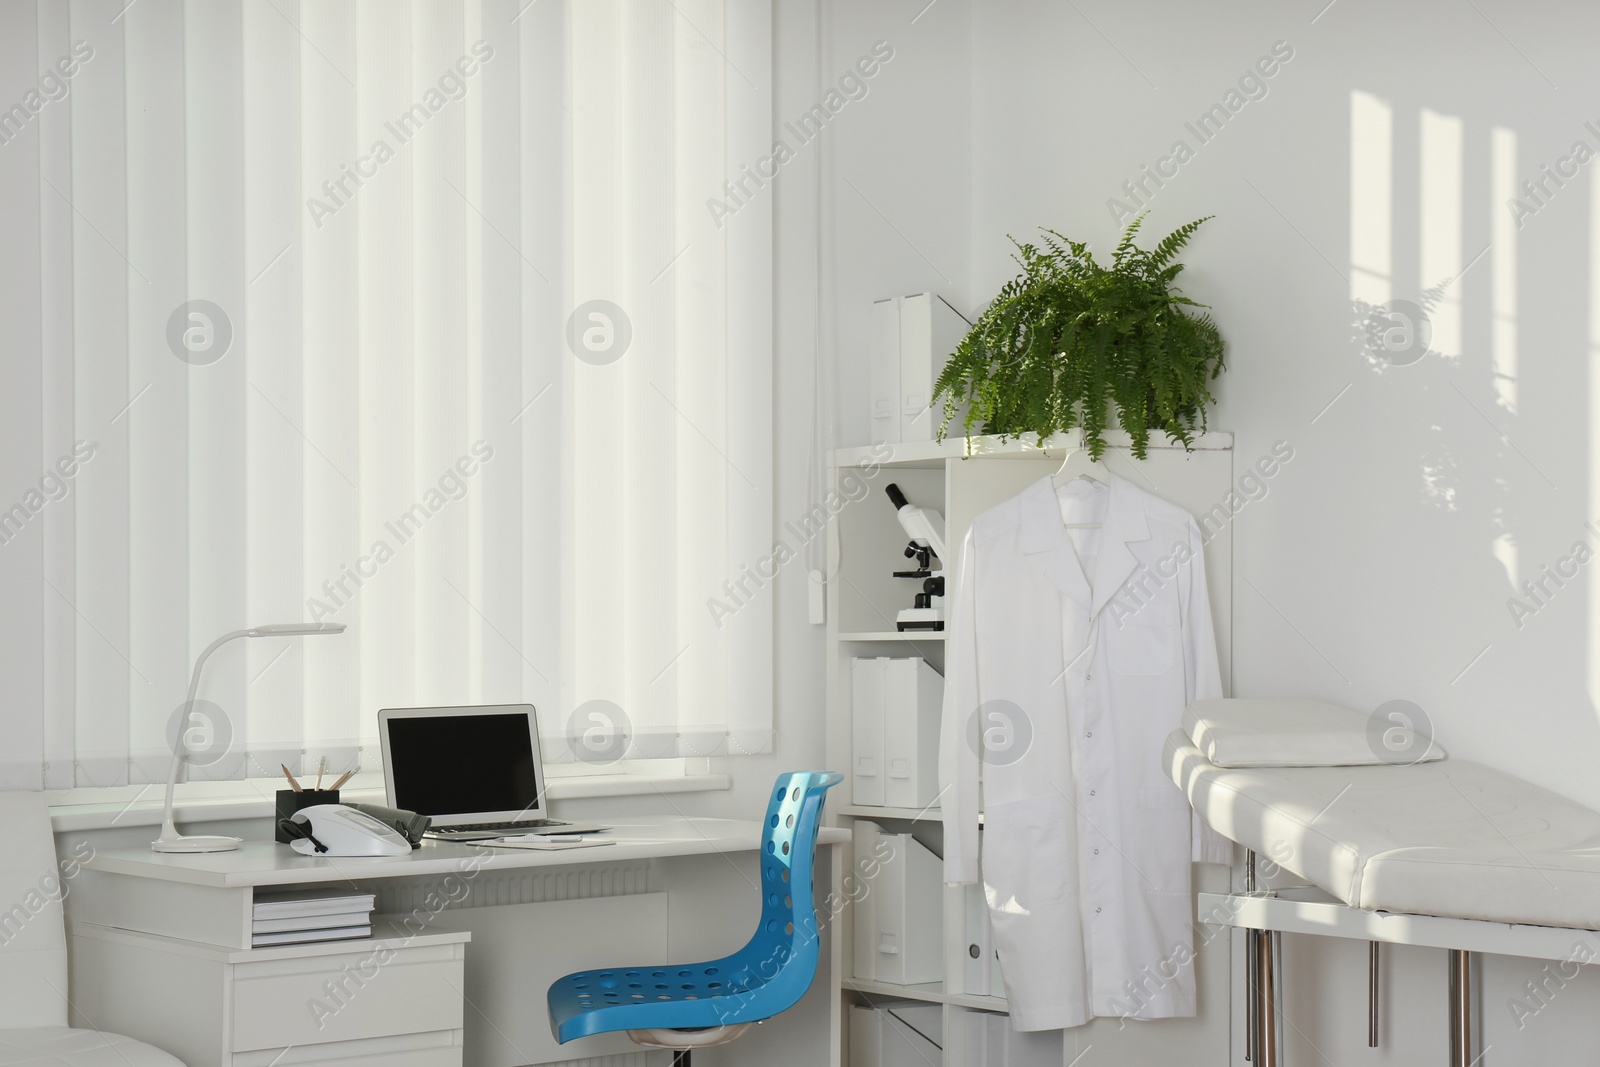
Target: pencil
<point x="289" y="776"/>
<point x="343" y="778"/>
<point x="321" y="766"/>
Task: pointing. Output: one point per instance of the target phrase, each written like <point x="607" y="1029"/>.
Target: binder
<point x="997" y="981"/>
<point x="1011" y="1048"/>
<point x="913" y="693"/>
<point x="977" y="959"/>
<point x="975" y="1039"/>
<point x="867" y="682"/>
<point x="930" y="330"/>
<point x="884" y="332"/>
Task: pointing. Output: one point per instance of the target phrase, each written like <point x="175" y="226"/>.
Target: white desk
<point x="161" y="944"/>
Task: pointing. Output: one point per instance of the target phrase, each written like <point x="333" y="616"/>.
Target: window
<point x="428" y="319"/>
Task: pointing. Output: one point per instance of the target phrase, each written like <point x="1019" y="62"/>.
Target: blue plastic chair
<point x="684" y="1006"/>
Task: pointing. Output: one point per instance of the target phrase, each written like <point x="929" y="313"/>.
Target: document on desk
<point x="534" y="841"/>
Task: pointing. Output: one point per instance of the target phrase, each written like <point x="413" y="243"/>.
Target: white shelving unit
<point x="864" y="546"/>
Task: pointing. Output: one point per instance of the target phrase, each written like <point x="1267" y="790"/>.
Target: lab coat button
<point x="1091" y="792"/>
<point x="1097" y="911"/>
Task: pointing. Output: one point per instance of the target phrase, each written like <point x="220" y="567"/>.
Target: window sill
<point x="76" y="817"/>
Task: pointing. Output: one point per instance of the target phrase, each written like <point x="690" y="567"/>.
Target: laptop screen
<point x="464" y="763"/>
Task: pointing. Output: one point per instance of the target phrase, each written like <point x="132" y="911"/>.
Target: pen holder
<point x="288" y="802"/>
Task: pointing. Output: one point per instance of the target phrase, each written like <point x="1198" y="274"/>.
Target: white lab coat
<point x="1087" y="844"/>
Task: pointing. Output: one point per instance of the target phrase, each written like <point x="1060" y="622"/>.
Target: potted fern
<point x="1067" y="339"/>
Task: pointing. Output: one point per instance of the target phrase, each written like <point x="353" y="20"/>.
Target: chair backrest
<point x="781" y="959"/>
<point x="33" y="946"/>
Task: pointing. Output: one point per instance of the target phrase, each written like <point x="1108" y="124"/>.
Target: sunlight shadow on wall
<point x="1440" y="198"/>
<point x="1503" y="298"/>
<point x="1371" y="199"/>
<point x="1594" y="424"/>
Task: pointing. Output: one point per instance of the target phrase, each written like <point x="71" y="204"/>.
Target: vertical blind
<point x="414" y="317"/>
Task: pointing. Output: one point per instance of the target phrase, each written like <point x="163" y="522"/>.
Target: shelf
<point x="926" y="453"/>
<point x="867" y="811"/>
<point x="894" y="635"/>
<point x="930" y="992"/>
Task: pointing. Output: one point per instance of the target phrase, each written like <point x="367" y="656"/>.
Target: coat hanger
<point x="1079" y="464"/>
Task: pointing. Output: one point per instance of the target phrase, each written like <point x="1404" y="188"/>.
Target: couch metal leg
<point x="1252" y="976"/>
<point x="1461" y="1020"/>
<point x="1372" y="994"/>
<point x="1252" y="986"/>
<point x="1266" y="999"/>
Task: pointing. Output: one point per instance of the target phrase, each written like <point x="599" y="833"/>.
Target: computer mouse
<point x="337" y="830"/>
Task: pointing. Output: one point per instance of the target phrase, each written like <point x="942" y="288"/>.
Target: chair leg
<point x="680" y="1058"/>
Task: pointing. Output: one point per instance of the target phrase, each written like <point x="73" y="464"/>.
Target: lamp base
<point x="198" y="843"/>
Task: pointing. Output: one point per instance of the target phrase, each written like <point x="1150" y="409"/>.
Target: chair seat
<point x="677" y="997"/>
<point x="64" y="1046"/>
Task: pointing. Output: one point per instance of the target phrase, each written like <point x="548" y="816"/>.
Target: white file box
<point x="898" y="908"/>
<point x="990" y="1042"/>
<point x="895" y="704"/>
<point x="930" y="330"/>
<point x="868" y="678"/>
<point x="884" y="370"/>
<point x="912" y="702"/>
<point x="896" y="1035"/>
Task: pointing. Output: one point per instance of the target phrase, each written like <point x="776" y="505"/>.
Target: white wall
<point x="1376" y="567"/>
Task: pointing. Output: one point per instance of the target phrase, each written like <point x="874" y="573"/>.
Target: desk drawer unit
<point x="386" y="1002"/>
<point x="319" y="1000"/>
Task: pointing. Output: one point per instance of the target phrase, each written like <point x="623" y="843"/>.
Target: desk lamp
<point x="170" y="840"/>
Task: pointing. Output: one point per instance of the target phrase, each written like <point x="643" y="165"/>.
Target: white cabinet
<point x="394" y="999"/>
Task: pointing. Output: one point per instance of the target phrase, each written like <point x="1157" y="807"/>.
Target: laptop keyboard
<point x="480" y="827"/>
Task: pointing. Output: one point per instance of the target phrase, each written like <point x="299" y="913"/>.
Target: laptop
<point x="475" y="772"/>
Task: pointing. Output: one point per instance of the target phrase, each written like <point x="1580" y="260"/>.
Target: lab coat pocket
<point x="1164" y="822"/>
<point x="1141" y="646"/>
<point x="1027" y="853"/>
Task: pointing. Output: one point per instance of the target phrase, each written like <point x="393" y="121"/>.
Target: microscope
<point x="926" y="530"/>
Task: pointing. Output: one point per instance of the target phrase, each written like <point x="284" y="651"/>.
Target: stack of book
<point x="299" y="915"/>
